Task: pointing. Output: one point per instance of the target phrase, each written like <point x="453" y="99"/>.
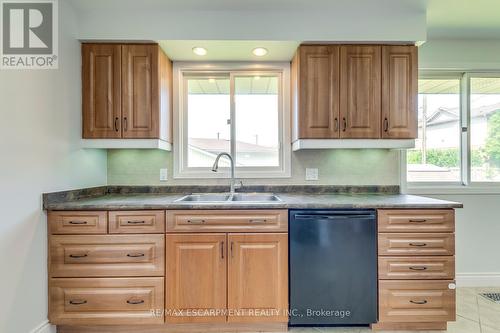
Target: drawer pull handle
<point x="418" y="302"/>
<point x="418" y="268"/>
<point x="78" y="302"/>
<point x="417" y="220"/>
<point x="78" y="255"/>
<point x="135" y="255"/>
<point x="136" y="222"/>
<point x="196" y="221"/>
<point x="134" y="302"/>
<point x="418" y="244"/>
<point x="258" y="220"/>
<point x="77" y="222"/>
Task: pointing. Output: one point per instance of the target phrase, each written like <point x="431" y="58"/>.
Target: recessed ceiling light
<point x="259" y="51"/>
<point x="201" y="51"/>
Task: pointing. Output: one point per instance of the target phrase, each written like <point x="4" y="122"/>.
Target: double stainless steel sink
<point x="230" y="198"/>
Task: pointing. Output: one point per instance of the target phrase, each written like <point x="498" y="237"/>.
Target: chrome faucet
<point x="215" y="167"/>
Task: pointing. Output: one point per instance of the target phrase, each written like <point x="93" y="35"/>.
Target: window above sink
<point x="238" y="108"/>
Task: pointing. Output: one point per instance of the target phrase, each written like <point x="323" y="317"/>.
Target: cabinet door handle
<point x="257" y="220"/>
<point x="78" y="302"/>
<point x="116" y="124"/>
<point x="125" y="125"/>
<point x="77" y="256"/>
<point x="386" y="124"/>
<point x="418" y="268"/>
<point x="232" y="256"/>
<point x="135" y="255"/>
<point x="418" y="244"/>
<point x="344" y="124"/>
<point x="135" y="301"/>
<point x="77" y="222"/>
<point x="196" y="221"/>
<point x="336" y="124"/>
<point x="136" y="222"/>
<point x="417" y="220"/>
<point x="418" y="302"/>
<point x="222" y="250"/>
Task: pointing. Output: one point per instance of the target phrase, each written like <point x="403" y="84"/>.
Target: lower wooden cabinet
<point x="196" y="278"/>
<point x="249" y="270"/>
<point x="101" y="301"/>
<point x="258" y="277"/>
<point x="416" y="301"/>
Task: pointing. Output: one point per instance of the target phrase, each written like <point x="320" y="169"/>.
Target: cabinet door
<point x="101" y="90"/>
<point x="318" y="89"/>
<point x="196" y="278"/>
<point x="399" y="92"/>
<point x="360" y="91"/>
<point x="140" y="100"/>
<point x="258" y="277"/>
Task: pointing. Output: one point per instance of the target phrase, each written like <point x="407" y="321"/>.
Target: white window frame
<point x="281" y="69"/>
<point x="465" y="185"/>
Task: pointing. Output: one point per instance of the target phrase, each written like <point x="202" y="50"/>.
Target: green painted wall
<point x="336" y="167"/>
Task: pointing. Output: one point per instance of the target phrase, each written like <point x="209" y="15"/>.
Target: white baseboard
<point x="44" y="327"/>
<point x="478" y="279"/>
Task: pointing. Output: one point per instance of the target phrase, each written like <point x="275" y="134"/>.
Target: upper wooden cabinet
<point x="399" y="92"/>
<point x="354" y="92"/>
<point x="315" y="79"/>
<point x="360" y="74"/>
<point x="127" y="91"/>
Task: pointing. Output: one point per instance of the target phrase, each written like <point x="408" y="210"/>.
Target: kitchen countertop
<point x="106" y="199"/>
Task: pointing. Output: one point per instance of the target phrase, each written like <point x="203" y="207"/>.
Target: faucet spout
<point x="215" y="168"/>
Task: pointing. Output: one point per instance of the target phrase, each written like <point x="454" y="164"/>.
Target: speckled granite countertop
<point x="322" y="197"/>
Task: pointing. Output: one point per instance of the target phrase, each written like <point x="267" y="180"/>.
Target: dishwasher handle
<point x="331" y="217"/>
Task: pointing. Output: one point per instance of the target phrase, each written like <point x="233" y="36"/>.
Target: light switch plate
<point x="163" y="175"/>
<point x="312" y="173"/>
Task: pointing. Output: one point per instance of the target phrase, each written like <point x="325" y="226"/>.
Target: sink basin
<point x="205" y="197"/>
<point x="228" y="198"/>
<point x="255" y="197"/>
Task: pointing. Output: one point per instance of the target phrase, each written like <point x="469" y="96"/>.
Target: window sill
<point x="493" y="188"/>
<point x="238" y="174"/>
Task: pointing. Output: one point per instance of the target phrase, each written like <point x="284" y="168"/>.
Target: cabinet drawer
<point x="82" y="222"/>
<point x="420" y="220"/>
<point x="416" y="244"/>
<point x="96" y="301"/>
<point x="227" y="220"/>
<point x="394" y="268"/>
<point x="137" y="222"/>
<point x="106" y="255"/>
<point x="415" y="301"/>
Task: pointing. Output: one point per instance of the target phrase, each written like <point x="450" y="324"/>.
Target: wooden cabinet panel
<point x="418" y="220"/>
<point x="104" y="301"/>
<point x="416" y="244"/>
<point x="438" y="267"/>
<point x="101" y="90"/>
<point x="140" y="99"/>
<point x="416" y="301"/>
<point x="258" y="277"/>
<point x="360" y="91"/>
<point x="317" y="87"/>
<point x="137" y="222"/>
<point x="77" y="222"/>
<point x="227" y="220"/>
<point x="399" y="92"/>
<point x="106" y="255"/>
<point x="196" y="278"/>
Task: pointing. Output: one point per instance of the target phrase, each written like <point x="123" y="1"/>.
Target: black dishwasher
<point x="333" y="267"/>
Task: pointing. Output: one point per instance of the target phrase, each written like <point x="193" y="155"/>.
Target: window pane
<point x="436" y="156"/>
<point x="208" y="114"/>
<point x="257" y="120"/>
<point x="485" y="129"/>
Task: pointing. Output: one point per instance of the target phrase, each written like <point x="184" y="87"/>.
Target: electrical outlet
<point x="312" y="173"/>
<point x="163" y="175"/>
